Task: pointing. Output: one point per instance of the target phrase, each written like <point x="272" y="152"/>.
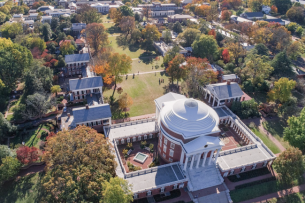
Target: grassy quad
<point x="143" y="89"/>
<point x="267" y="141"/>
<point x="145" y="65"/>
<point x="107" y="22"/>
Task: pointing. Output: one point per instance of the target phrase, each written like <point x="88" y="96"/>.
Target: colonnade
<point x="198" y="158"/>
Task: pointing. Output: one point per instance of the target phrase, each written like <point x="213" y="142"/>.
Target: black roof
<point x="255" y="14"/>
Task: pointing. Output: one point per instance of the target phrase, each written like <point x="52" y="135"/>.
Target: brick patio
<point x="137" y="148"/>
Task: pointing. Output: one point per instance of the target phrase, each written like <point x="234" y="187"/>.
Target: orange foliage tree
<point x="274" y="9"/>
<point x="202" y="10"/>
<point x="225" y="15"/>
<point x="27" y="155"/>
<point x="226" y="56"/>
<point x="212" y="32"/>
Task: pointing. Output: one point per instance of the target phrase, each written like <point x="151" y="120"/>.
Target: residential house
<point x="80" y="43"/>
<point x="96" y="117"/>
<point x="162" y="48"/>
<point x="72" y="6"/>
<point x="75" y="62"/>
<point x="58" y="12"/>
<point x="253" y="15"/>
<point x="46" y="19"/>
<point x="77" y="27"/>
<point x="237" y="19"/>
<point x="179" y="17"/>
<point x="32" y="16"/>
<point x="101" y="8"/>
<point x="266" y="9"/>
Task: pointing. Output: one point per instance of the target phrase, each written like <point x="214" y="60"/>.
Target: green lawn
<point x="146" y="64"/>
<point x="293" y="198"/>
<point x="134" y="51"/>
<point x="259" y="97"/>
<point x="143" y="89"/>
<point x="267" y="141"/>
<point x="276" y="128"/>
<point x="107" y="22"/>
<point x="25" y="190"/>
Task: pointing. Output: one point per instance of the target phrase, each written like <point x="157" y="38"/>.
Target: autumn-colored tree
<point x="289" y="165"/>
<point x="120" y="90"/>
<point x="127" y="24"/>
<point x="225" y="4"/>
<point x="281" y="90"/>
<point x="212" y="32"/>
<point x="150" y="34"/>
<point x="96" y="36"/>
<point x="55" y="89"/>
<point x="274" y="9"/>
<point x="175" y="70"/>
<point x="281" y="37"/>
<point x="255" y="5"/>
<point x="202" y="10"/>
<point x="213" y="12"/>
<point x="78" y="163"/>
<point x="117" y="190"/>
<point x="67" y="48"/>
<point x="89" y="14"/>
<point x="225" y="15"/>
<point x="226" y="55"/>
<point x="27" y="155"/>
<point x="116" y="15"/>
<point x="294" y="50"/>
<point x="112" y="13"/>
<point x="125" y="101"/>
<point x="236" y="51"/>
<point x="235" y="3"/>
<point x="38" y="4"/>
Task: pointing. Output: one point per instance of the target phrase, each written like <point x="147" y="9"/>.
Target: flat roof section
<point x="161" y="176"/>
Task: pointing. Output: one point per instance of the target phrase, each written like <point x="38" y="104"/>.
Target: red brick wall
<point x="248" y="168"/>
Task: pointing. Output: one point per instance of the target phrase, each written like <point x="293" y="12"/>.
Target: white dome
<point x="190" y="117"/>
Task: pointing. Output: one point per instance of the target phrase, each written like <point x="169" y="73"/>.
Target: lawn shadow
<point x="134" y="47"/>
<point x="114" y="29"/>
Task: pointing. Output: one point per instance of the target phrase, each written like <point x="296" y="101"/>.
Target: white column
<point x="205" y="158"/>
<point x="210" y="98"/>
<point x="218" y="102"/>
<point x="206" y="94"/>
<point x="218" y="150"/>
<point x="198" y="160"/>
<point x="211" y="156"/>
<point x="193" y="158"/>
<point x="181" y="157"/>
<point x="213" y="101"/>
<point x="185" y="163"/>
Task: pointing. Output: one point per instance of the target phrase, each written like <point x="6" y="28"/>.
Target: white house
<point x="266" y="9"/>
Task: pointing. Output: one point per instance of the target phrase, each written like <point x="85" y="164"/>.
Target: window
<point x="254" y="166"/>
<point x="149" y="193"/>
<point x="139" y="138"/>
<point x="171" y="152"/>
<point x="128" y="140"/>
<point x="122" y="141"/>
<point x="172" y="145"/>
<point x="164" y="155"/>
<point x="145" y="137"/>
<point x="175" y="186"/>
<point x="94" y="123"/>
<point x="165" y="141"/>
<point x="232" y="172"/>
<point x="150" y="136"/>
<point x="162" y="189"/>
<point x="170" y="160"/>
<point x="135" y="196"/>
<point x="243" y="169"/>
<point x="164" y="148"/>
<point x="99" y="122"/>
<point x="134" y="139"/>
<point x="89" y="124"/>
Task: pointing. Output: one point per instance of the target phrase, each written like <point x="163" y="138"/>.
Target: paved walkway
<point x="134" y="118"/>
<point x="142" y="73"/>
<point x="278" y="194"/>
<point x="259" y="123"/>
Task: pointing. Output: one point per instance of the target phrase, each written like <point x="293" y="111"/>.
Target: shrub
<point x="125" y="151"/>
<point x="143" y="144"/>
<point x="252" y="125"/>
<point x="129" y="145"/>
<point x="151" y="146"/>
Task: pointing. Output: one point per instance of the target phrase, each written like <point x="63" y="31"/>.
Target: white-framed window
<point x="254" y="166"/>
<point x="122" y="141"/>
<point x="128" y="140"/>
<point x="90" y="124"/>
<point x="94" y="123"/>
<point x="225" y="174"/>
<point x="139" y="138"/>
<point x="150" y="136"/>
<point x="165" y="141"/>
<point x="181" y="185"/>
<point x="160" y="144"/>
<point x="175" y="186"/>
<point x="99" y="122"/>
<point x="170" y="160"/>
<point x="145" y="137"/>
<point x="148" y="193"/>
<point x="243" y="169"/>
<point x="171" y="152"/>
<point x="172" y="145"/>
<point x="164" y="155"/>
<point x="265" y="163"/>
<point x="160" y="150"/>
<point x="232" y="172"/>
<point x="164" y="148"/>
<point x="162" y="189"/>
<point x="134" y="139"/>
<point x="135" y="196"/>
<point x="117" y="141"/>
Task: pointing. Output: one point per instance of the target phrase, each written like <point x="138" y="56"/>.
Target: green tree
<point x="117" y="190"/>
<point x="255" y="5"/>
<point x="78" y="163"/>
<point x="126" y="11"/>
<point x="54" y="23"/>
<point x="171" y="54"/>
<point x="188" y="36"/>
<point x="296" y="14"/>
<point x="282" y="5"/>
<point x="11" y="30"/>
<point x="67" y="48"/>
<point x="177" y="27"/>
<point x="150" y="34"/>
<point x="175" y="70"/>
<point x="294" y="50"/>
<point x="289" y="165"/>
<point x="5" y="151"/>
<point x="46" y="32"/>
<point x="167" y="36"/>
<point x="37" y="105"/>
<point x="2" y="17"/>
<point x="295" y="133"/>
<point x="292" y="27"/>
<point x="205" y="46"/>
<point x="90" y="15"/>
<point x="281" y="90"/>
<point x="9" y="168"/>
<point x="55" y="89"/>
<point x="6" y="128"/>
<point x="14" y="59"/>
<point x="281" y="63"/>
<point x="262" y="49"/>
<point x="299" y="31"/>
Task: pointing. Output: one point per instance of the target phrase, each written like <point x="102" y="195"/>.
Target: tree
<point x="78" y="162"/>
<point x="127" y="24"/>
<point x="257" y="69"/>
<point x="5" y="151"/>
<point x="188" y="36"/>
<point x="296" y="14"/>
<point x="9" y="168"/>
<point x="96" y="36"/>
<point x="11" y="30"/>
<point x="261" y="49"/>
<point x="67" y="48"/>
<point x="282" y="5"/>
<point x="6" y="128"/>
<point x="299" y="31"/>
<point x="177" y="27"/>
<point x="236" y="51"/>
<point x="89" y="14"/>
<point x="2" y="17"/>
<point x="212" y="32"/>
<point x="125" y="101"/>
<point x="226" y="55"/>
<point x="281" y="63"/>
<point x="37" y="105"/>
<point x="294" y="50"/>
<point x="205" y="47"/>
<point x="55" y="89"/>
<point x="170" y="55"/>
<point x="54" y="23"/>
<point x="167" y="36"/>
<point x="46" y="32"/>
<point x="292" y="27"/>
<point x="175" y="70"/>
<point x="202" y="10"/>
<point x="14" y="59"/>
<point x="150" y="34"/>
<point x="27" y="155"/>
<point x="281" y="90"/>
<point x="117" y="190"/>
<point x="225" y="15"/>
<point x="38" y="4"/>
<point x="289" y="165"/>
<point x="137" y="17"/>
<point x="255" y="5"/>
<point x="274" y="9"/>
<point x="126" y="11"/>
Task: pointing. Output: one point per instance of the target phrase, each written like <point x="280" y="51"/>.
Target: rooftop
<point x="77" y="58"/>
<point x="97" y="112"/>
<point x="225" y="91"/>
<point x="254" y="14"/>
<point x="85" y="83"/>
<point x="167" y="98"/>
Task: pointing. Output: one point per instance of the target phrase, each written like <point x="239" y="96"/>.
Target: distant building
<point x="58" y="12"/>
<point x="157" y="6"/>
<point x="46" y="19"/>
<point x="77" y="27"/>
<point x="101" y="8"/>
<point x="32" y="16"/>
<point x="75" y="62"/>
<point x="266" y="9"/>
<point x="45" y="8"/>
<point x="253" y="15"/>
<point x="230" y="77"/>
<point x="179" y="17"/>
<point x="237" y="19"/>
<point x="163" y="48"/>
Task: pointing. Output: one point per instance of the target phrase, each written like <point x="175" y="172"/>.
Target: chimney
<point x="87" y="106"/>
<point x="68" y="114"/>
<point x="228" y="82"/>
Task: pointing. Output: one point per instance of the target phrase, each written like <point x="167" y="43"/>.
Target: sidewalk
<point x="278" y="194"/>
<point x="133" y="118"/>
